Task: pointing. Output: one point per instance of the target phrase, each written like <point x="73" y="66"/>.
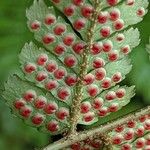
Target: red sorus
<point x="107" y="46"/>
<point x="51" y="66"/>
<point x="48" y="39"/>
<point x="119" y="128"/>
<point x="103" y="17"/>
<point x="98" y="63"/>
<point x="114" y="14"/>
<point x="112" y="2"/>
<point x="100" y="74"/>
<point x="96" y="48"/>
<point x="59" y="49"/>
<point x="78" y="2"/>
<point x="79" y="24"/>
<point x="69" y="10"/>
<point x="89" y="79"/>
<point x="50" y="108"/>
<point x="56" y="1"/>
<point x="59" y="29"/>
<point x="38" y="119"/>
<point x="148" y="140"/>
<point x="88" y="116"/>
<point x="120" y="93"/>
<point x="35" y="25"/>
<point x="131" y="124"/>
<point x="117" y="77"/>
<point x="85" y="107"/>
<point x="120" y="37"/>
<point x="30" y="68"/>
<point x="117" y="139"/>
<point x="70" y="61"/>
<point x="113" y="107"/>
<point x="87" y="11"/>
<point x="49" y="19"/>
<point x="129" y="134"/>
<point x="126" y="49"/>
<point x="119" y="24"/>
<point x="96" y="143"/>
<point x="71" y="80"/>
<point x="25" y="111"/>
<point x="75" y="146"/>
<point x="29" y="95"/>
<point x="141" y="12"/>
<point x="147" y="124"/>
<point x="103" y="111"/>
<point x="40" y="102"/>
<point x="69" y="39"/>
<point x="51" y="84"/>
<point x="92" y="90"/>
<point x="105" y="32"/>
<point x="111" y="95"/>
<point x="140" y="131"/>
<point x="62" y="113"/>
<point x="126" y="147"/>
<point x="60" y="73"/>
<point x="19" y="103"/>
<point x="130" y="2"/>
<point x="78" y="48"/>
<point x="140" y="143"/>
<point x="143" y="118"/>
<point x="42" y="59"/>
<point x="98" y="103"/>
<point x="106" y="83"/>
<point x="53" y="126"/>
<point x="63" y="93"/>
<point x="113" y="55"/>
<point x="41" y="76"/>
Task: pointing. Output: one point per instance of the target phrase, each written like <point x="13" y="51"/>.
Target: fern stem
<point x="99" y="130"/>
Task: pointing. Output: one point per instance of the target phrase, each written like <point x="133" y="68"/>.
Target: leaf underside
<point x="43" y="97"/>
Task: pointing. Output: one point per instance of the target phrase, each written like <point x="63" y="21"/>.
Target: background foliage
<point x="13" y="35"/>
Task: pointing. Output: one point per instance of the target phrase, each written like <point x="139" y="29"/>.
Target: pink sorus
<point x="41" y="76"/>
<point x="37" y="119"/>
<point x="71" y="80"/>
<point x="100" y="74"/>
<point x="87" y="11"/>
<point x="117" y="139"/>
<point x="130" y="2"/>
<point x="51" y="85"/>
<point x="29" y="95"/>
<point x="78" y="48"/>
<point x="70" y="61"/>
<point x="59" y="49"/>
<point x="120" y="93"/>
<point x="119" y="128"/>
<point x="63" y="93"/>
<point x="59" y="29"/>
<point x="140" y="143"/>
<point x="78" y="2"/>
<point x="79" y="23"/>
<point x="107" y="46"/>
<point x="42" y="59"/>
<point x="98" y="62"/>
<point x="112" y="2"/>
<point x="103" y="111"/>
<point x="50" y="108"/>
<point x="30" y="68"/>
<point x="111" y="95"/>
<point x="105" y="32"/>
<point x="117" y="77"/>
<point x="126" y="147"/>
<point x="129" y="134"/>
<point x="147" y="124"/>
<point x="114" y="14"/>
<point x="19" y="103"/>
<point x="85" y="107"/>
<point x="40" y="102"/>
<point x="96" y="48"/>
<point x="93" y="90"/>
<point x="53" y="126"/>
<point x="120" y="37"/>
<point x="35" y="25"/>
<point x="51" y="66"/>
<point x="113" y="55"/>
<point x="98" y="103"/>
<point x="139" y="131"/>
<point x="60" y="73"/>
<point x="131" y="124"/>
<point x="50" y="19"/>
<point x="106" y="83"/>
<point x="96" y="143"/>
<point x="68" y="39"/>
<point x="89" y="79"/>
<point x="88" y="116"/>
<point x="69" y="10"/>
<point x="103" y="17"/>
<point x="62" y="113"/>
<point x="25" y="111"/>
<point x="141" y="12"/>
<point x="48" y="39"/>
<point x="126" y="49"/>
<point x="119" y="24"/>
<point x="113" y="107"/>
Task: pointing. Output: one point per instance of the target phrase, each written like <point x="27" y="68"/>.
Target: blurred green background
<point x="14" y="134"/>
